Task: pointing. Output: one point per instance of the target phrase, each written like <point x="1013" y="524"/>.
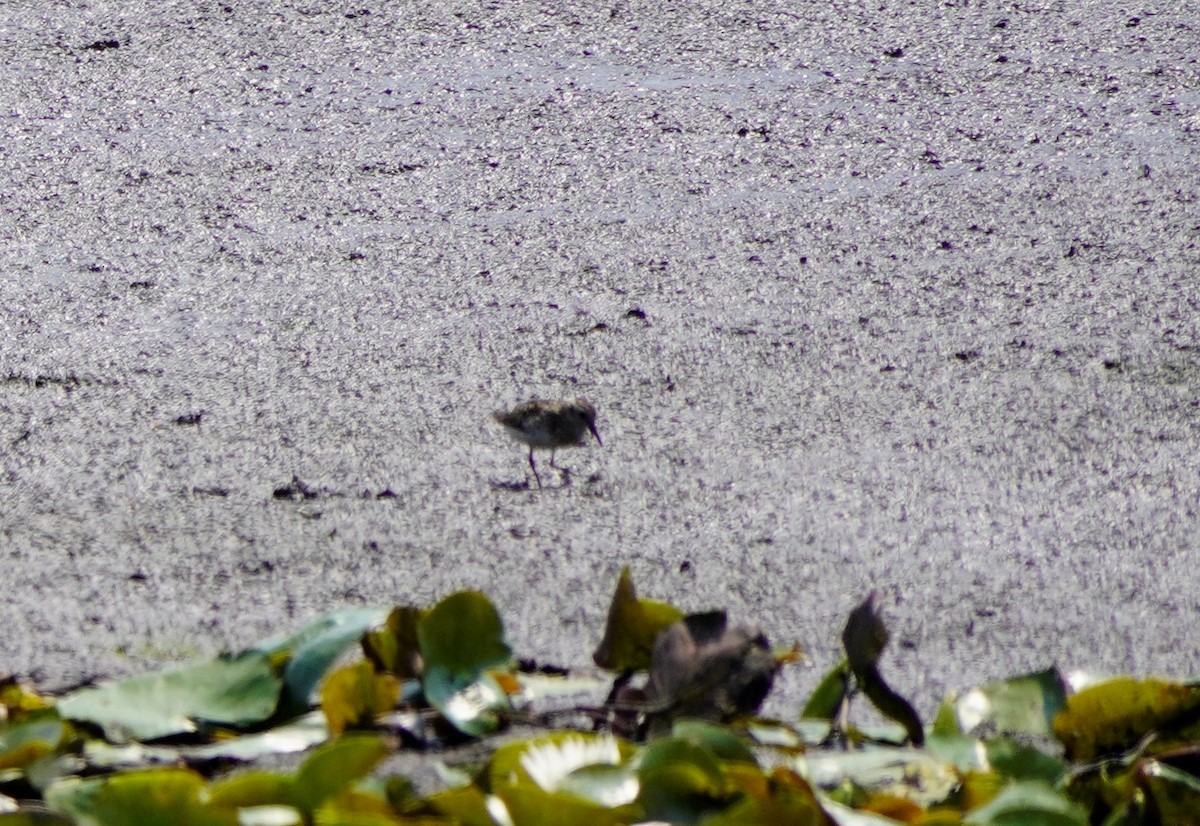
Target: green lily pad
<point x="1028" y="803"/>
<point x="309" y="652"/>
<point x="34" y="737"/>
<point x="327" y="771"/>
<point x="475" y="710"/>
<point x="1023" y="705"/>
<point x="297" y="736"/>
<point x="466" y="805"/>
<point x="148" y="797"/>
<point x="681" y="781"/>
<point x="237" y="691"/>
<point x="781" y="797"/>
<point x="908" y="773"/>
<point x="336" y="765"/>
<point x="1023" y="762"/>
<point x="723" y="743"/>
<point x="461" y="636"/>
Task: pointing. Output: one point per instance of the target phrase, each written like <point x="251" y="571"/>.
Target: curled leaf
<point x="633" y="627"/>
<point x="354" y="695"/>
<point x="394" y="647"/>
<point x="864" y="638"/>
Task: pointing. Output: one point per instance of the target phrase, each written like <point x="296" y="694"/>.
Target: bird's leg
<point x="552" y="458"/>
<point x="533" y="467"/>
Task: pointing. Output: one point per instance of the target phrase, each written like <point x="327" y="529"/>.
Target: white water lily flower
<point x="548" y="763"/>
<point x="551" y="765"/>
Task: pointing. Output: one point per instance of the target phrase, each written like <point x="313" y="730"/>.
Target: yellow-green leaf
<point x="1112" y="716"/>
<point x="632" y="628"/>
<point x="354" y="695"/>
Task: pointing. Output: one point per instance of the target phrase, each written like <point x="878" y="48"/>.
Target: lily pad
<point x="681" y="781"/>
<point x="328" y="770"/>
<point x="238" y="691"/>
<point x="1023" y="705"/>
<point x="1029" y="803"/>
<point x="474" y="709"/>
<point x="461" y="636"/>
<point x="34" y="737"/>
<point x="308" y="653"/>
<point x="149" y="797"/>
<point x="302" y="734"/>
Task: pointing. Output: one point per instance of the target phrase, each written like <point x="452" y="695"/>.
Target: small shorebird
<point x="549" y="424"/>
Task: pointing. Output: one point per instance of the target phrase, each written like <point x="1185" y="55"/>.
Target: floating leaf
<point x="297" y="736"/>
<point x="466" y="805"/>
<point x="327" y="771"/>
<point x="337" y="764"/>
<point x="475" y="709"/>
<point x="309" y="652"/>
<point x="16" y="699"/>
<point x="255" y="788"/>
<point x="237" y="691"/>
<point x="722" y="742"/>
<point x="354" y="695"/>
<point x="632" y="628"/>
<point x="395" y="647"/>
<point x="148" y="797"/>
<point x="1028" y="803"/>
<point x="781" y="797"/>
<point x="1112" y="716"/>
<point x="907" y="773"/>
<point x="1023" y="762"/>
<point x="964" y="753"/>
<point x="680" y="781"/>
<point x="35" y="736"/>
<point x="538" y="686"/>
<point x="1022" y="705"/>
<point x="460" y="637"/>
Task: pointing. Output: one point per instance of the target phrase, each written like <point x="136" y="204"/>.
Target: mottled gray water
<point x="920" y="291"/>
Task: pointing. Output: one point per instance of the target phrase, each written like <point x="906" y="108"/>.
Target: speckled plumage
<point x="549" y="425"/>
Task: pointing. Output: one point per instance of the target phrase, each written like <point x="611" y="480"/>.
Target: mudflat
<point x="866" y="297"/>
